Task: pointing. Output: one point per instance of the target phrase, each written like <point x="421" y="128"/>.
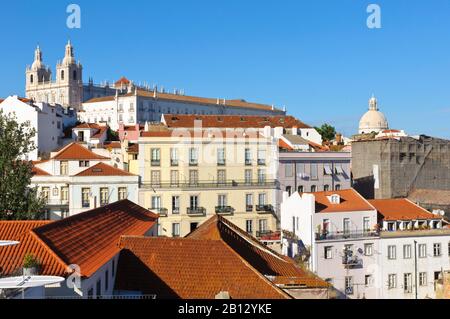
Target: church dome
<point x="37" y="63"/>
<point x="373" y="120"/>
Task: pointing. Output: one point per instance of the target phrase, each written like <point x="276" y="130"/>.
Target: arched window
<point x="300" y="189"/>
<point x="338" y="187"/>
<point x="326" y="188"/>
<point x="62" y="75"/>
<point x="289" y="190"/>
<point x="75" y="75"/>
<point x="31" y="78"/>
<point x="313" y="188"/>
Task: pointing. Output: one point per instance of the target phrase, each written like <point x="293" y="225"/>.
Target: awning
<point x="327" y="170"/>
<point x="339" y="170"/>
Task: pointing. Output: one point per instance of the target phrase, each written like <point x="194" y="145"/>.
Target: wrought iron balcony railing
<point x="196" y="211"/>
<point x="211" y="184"/>
<point x="346" y="235"/>
<point x="265" y="209"/>
<point x="163" y="212"/>
<point x="224" y="210"/>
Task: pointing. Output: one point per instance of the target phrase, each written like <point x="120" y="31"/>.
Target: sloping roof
<point x="350" y="201"/>
<point x="39" y="172"/>
<point x="102" y="169"/>
<point x="233" y="121"/>
<point x="122" y="80"/>
<point x="400" y="209"/>
<point x="91" y="238"/>
<point x="430" y="196"/>
<point x="75" y="151"/>
<point x="189" y="269"/>
<point x="112" y="144"/>
<point x="11" y="257"/>
<point x="263" y="259"/>
<point x="239" y="103"/>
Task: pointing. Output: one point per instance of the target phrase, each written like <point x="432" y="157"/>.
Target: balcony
<point x="346" y="235"/>
<point x="57" y="202"/>
<point x="156" y="162"/>
<point x="193" y="163"/>
<point x="249" y="208"/>
<point x="174" y="162"/>
<point x="351" y="261"/>
<point x="221" y="163"/>
<point x="162" y="212"/>
<point x="176" y="211"/>
<point x="224" y="210"/>
<point x="211" y="184"/>
<point x="265" y="209"/>
<point x="248" y="162"/>
<point x="261" y="162"/>
<point x="196" y="211"/>
<point x="263" y="233"/>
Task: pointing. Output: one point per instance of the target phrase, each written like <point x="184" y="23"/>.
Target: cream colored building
<point x="188" y="176"/>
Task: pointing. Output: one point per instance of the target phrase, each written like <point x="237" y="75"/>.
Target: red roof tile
<point x="112" y="145"/>
<point x="232" y="121"/>
<point x="11" y="258"/>
<point x="76" y="151"/>
<point x="102" y="169"/>
<point x="350" y="201"/>
<point x="189" y="269"/>
<point x="90" y="239"/>
<point x="401" y="209"/>
<point x="122" y="80"/>
<point x="39" y="172"/>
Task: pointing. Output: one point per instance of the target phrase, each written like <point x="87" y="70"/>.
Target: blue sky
<point x="317" y="58"/>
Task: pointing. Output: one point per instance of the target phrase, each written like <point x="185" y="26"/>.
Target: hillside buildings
<point x="367" y="249"/>
<point x="75" y="179"/>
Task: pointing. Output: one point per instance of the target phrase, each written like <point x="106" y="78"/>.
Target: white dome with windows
<point x="373" y="120"/>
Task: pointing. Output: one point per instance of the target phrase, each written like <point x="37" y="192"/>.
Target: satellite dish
<point x="4" y="243"/>
<point x="23" y="282"/>
<point x="360" y="251"/>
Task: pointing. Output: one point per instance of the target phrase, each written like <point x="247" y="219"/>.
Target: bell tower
<point x="69" y="79"/>
<point x="37" y="74"/>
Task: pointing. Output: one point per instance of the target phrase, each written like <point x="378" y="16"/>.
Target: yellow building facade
<point x="188" y="176"/>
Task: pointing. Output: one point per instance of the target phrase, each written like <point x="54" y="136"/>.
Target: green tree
<point x="327" y="132"/>
<point x="18" y="201"/>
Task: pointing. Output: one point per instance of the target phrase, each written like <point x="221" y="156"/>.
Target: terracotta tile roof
<point x="102" y="169"/>
<point x="351" y="201"/>
<point x="11" y="258"/>
<point x="232" y="121"/>
<point x="263" y="259"/>
<point x="122" y="80"/>
<point x="284" y="146"/>
<point x="75" y="151"/>
<point x="133" y="148"/>
<point x="219" y="133"/>
<point x="113" y="144"/>
<point x="1" y="100"/>
<point x="401" y="209"/>
<point x="100" y="99"/>
<point x="90" y="239"/>
<point x="189" y="269"/>
<point x="39" y="172"/>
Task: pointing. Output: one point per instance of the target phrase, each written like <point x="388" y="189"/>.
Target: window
<point x="62" y="75"/>
<point x="248" y="176"/>
<point x="193" y="202"/>
<point x="368" y="280"/>
<point x="300" y="189"/>
<point x="368" y="249"/>
<point x="222" y="200"/>
<point x="314" y="170"/>
<point x="64" y="194"/>
<point x="328" y="252"/>
<point x="392" y="252"/>
<point x="263" y="225"/>
<point x="392" y="281"/>
<point x="422" y="279"/>
<point x="449" y="248"/>
<point x="288" y="170"/>
<point x="221" y="156"/>
<point x="64" y="168"/>
<point x="366" y="224"/>
<point x="106" y="280"/>
<point x="156" y="202"/>
<point x="221" y="177"/>
<point x="261" y="176"/>
<point x="45" y="193"/>
<point x="175" y="205"/>
<point x="313" y="188"/>
<point x="83" y="164"/>
<point x="261" y="157"/>
<point x="193" y="177"/>
<point x="249" y="202"/>
<point x="90" y="293"/>
<point x="122" y="193"/>
<point x="98" y="289"/>
<point x="156" y="178"/>
<point x="174" y="157"/>
<point x="349" y="285"/>
<point x="407" y="249"/>
<point x="176" y="230"/>
<point x="248" y="157"/>
<point x="249" y="226"/>
<point x="113" y="268"/>
<point x="289" y="190"/>
<point x="31" y="78"/>
<point x="156" y="157"/>
<point x="407" y="283"/>
<point x="85" y="194"/>
<point x="346" y="225"/>
<point x="337" y="187"/>
<point x="327" y="170"/>
<point x="193" y="156"/>
<point x="437" y="250"/>
<point x="74" y="75"/>
<point x="262" y="199"/>
<point x="104" y="196"/>
<point x="422" y="250"/>
<point x="174" y="178"/>
<point x="326" y="188"/>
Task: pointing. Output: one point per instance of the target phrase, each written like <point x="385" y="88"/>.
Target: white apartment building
<point x="76" y="179"/>
<point x="367" y="249"/>
<point x="47" y="120"/>
<point x="132" y="105"/>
